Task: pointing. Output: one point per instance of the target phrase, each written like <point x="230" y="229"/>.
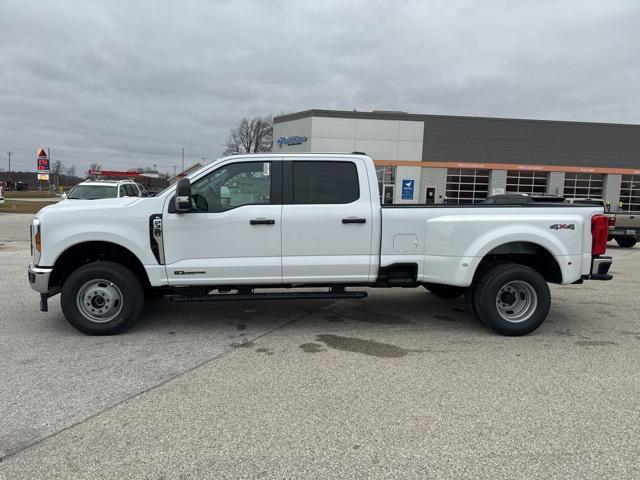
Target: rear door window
<point x="325" y="182"/>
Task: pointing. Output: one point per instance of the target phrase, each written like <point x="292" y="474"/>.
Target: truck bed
<point x="448" y="241"/>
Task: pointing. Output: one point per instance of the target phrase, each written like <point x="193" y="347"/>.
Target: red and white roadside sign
<point x="43" y="161"/>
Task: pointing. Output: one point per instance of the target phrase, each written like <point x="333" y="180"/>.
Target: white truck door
<point x="326" y="221"/>
<point x="232" y="236"/>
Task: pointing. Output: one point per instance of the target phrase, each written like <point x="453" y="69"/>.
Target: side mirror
<point x="183" y="196"/>
<point x="64" y="195"/>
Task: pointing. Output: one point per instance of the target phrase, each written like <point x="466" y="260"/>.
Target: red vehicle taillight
<point x="600" y="234"/>
<point x="612" y="221"/>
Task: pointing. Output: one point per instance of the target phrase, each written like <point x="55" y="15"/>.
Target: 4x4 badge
<point x="562" y="226"/>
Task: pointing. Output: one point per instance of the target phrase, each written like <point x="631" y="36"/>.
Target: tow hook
<point x="44" y="304"/>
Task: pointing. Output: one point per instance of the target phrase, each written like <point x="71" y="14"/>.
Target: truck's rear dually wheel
<point x="512" y="299"/>
<point x="102" y="298"/>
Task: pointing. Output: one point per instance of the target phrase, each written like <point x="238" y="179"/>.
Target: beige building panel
<point x="377" y="129"/>
<point x="378" y="149"/>
<point x="342" y="145"/>
<point x="334" y="127"/>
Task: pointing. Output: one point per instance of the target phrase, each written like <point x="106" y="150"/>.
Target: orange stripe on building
<point x="505" y="166"/>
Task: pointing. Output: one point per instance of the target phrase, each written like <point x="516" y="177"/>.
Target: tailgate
<point x="630" y="221"/>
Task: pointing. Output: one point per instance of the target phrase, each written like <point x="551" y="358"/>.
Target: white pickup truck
<point x="263" y="222"/>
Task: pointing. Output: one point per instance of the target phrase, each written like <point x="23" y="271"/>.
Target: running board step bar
<point x="231" y="297"/>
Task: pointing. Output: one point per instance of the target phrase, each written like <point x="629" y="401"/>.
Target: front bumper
<point x="39" y="278"/>
<point x="600" y="268"/>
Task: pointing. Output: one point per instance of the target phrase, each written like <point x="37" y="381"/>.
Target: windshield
<point x="93" y="192"/>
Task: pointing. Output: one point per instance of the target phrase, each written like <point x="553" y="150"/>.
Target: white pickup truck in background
<point x="268" y="221"/>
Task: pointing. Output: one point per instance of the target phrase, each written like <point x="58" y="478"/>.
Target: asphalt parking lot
<point x="398" y="385"/>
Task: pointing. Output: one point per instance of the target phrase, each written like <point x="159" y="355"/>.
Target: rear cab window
<point x="317" y="182"/>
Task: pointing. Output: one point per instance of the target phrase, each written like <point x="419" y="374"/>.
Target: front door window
<point x="232" y="186"/>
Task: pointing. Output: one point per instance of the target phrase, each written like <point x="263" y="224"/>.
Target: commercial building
<point x="452" y="159"/>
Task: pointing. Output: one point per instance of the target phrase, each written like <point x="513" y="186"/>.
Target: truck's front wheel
<point x="102" y="298"/>
<point x="512" y="299"/>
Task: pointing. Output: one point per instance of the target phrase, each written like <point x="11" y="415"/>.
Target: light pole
<point x="9" y="153"/>
<point x="182" y="160"/>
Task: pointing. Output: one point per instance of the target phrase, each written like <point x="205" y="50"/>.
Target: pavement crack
<point x="27" y="445"/>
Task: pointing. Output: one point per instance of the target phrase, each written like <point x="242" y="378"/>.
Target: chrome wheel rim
<point x="99" y="300"/>
<point x="516" y="301"/>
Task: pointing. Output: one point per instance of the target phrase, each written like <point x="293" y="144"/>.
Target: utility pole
<point x="174" y="169"/>
<point x="49" y="156"/>
<point x="183" y="160"/>
<point x="9" y="161"/>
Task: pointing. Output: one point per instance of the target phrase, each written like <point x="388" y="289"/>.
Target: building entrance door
<point x="431" y="196"/>
<point x="387" y="195"/>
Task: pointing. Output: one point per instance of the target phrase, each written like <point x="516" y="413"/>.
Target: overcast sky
<point x="129" y="83"/>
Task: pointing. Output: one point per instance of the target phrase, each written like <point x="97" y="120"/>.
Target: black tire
<point x="518" y="286"/>
<point x="121" y="288"/>
<point x="469" y="294"/>
<point x="469" y="302"/>
<point x="444" y="291"/>
<point x="626" y="242"/>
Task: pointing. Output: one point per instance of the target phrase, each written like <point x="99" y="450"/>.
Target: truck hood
<point x="69" y="205"/>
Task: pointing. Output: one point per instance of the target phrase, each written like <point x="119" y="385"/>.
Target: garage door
<point x="467" y="185"/>
<point x="583" y="185"/>
<point x="527" y="182"/>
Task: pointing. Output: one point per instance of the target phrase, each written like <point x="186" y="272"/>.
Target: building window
<point x="532" y="183"/>
<point x="630" y="193"/>
<point x="466" y="185"/>
<point x="583" y="185"/>
<point x="386" y="183"/>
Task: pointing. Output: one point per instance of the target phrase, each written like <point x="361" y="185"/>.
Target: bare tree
<point x="55" y="169"/>
<point x="95" y="166"/>
<point x="250" y="136"/>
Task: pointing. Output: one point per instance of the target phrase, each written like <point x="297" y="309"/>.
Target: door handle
<point x="354" y="220"/>
<point x="262" y="221"/>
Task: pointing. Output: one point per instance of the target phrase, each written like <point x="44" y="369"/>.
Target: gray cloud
<point x="127" y="84"/>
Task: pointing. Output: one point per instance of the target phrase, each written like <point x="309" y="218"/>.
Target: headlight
<point x="36" y="237"/>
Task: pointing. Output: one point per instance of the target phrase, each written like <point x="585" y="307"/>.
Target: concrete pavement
<point x="398" y="385"/>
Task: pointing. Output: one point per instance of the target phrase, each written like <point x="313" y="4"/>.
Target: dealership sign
<point x="407" y="189"/>
<point x="293" y="140"/>
<point x="43" y="161"/>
